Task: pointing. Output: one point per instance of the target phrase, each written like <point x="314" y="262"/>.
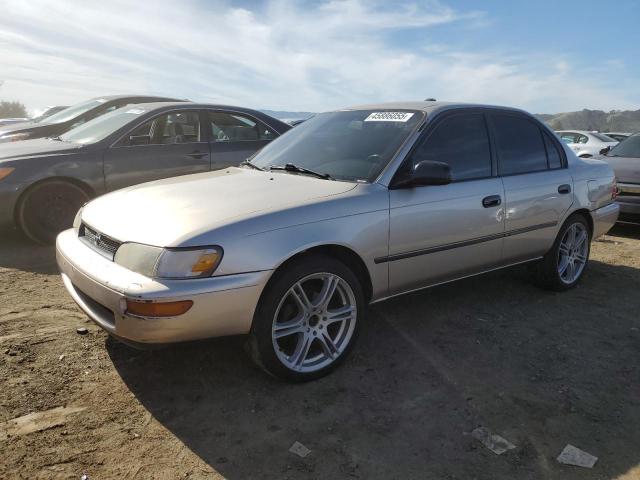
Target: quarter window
<point x="555" y="159"/>
<point x="462" y="142"/>
<point x="232" y="127"/>
<point x="520" y="145"/>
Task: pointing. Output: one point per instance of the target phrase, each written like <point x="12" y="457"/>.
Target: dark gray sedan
<point x="44" y="182"/>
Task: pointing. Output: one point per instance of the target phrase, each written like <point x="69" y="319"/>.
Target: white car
<point x="586" y="144"/>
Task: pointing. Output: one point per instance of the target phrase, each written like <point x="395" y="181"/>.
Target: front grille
<point x="100" y="242"/>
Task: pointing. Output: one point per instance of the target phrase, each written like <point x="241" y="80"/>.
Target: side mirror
<point x="139" y="140"/>
<point x="426" y="172"/>
<point x="605" y="150"/>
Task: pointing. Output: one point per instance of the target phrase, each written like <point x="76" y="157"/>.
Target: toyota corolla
<point x="349" y="208"/>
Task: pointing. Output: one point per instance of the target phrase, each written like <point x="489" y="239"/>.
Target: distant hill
<point x="613" y="121"/>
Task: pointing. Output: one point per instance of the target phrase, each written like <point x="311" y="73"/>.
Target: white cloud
<point x="285" y="55"/>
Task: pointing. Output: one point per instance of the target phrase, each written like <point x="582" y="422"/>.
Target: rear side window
<point x="462" y="142"/>
<point x="555" y="159"/>
<point x="520" y="145"/>
<point x="233" y="127"/>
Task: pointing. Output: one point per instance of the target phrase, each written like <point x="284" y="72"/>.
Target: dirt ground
<point x="539" y="368"/>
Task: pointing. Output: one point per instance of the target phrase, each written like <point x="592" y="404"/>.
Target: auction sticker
<point x="389" y="117"/>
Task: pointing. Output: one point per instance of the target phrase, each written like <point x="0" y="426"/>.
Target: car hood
<point x="627" y="169"/>
<point x="34" y="148"/>
<point x="172" y="211"/>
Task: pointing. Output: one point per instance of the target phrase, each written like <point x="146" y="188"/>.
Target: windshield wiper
<point x="290" y="167"/>
<point x="252" y="165"/>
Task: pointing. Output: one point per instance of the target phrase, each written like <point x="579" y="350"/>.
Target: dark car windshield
<point x="627" y="148"/>
<point x="101" y="127"/>
<point x="603" y="138"/>
<point x="73" y="111"/>
<point x="352" y="145"/>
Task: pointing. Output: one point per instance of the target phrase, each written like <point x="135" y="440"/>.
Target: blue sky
<point x="544" y="56"/>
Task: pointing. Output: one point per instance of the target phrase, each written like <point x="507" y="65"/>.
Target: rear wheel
<point x="563" y="266"/>
<point x="308" y="319"/>
<point x="49" y="208"/>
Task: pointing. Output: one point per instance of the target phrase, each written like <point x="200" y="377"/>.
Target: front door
<point x="537" y="183"/>
<point x="439" y="233"/>
<point x="170" y="144"/>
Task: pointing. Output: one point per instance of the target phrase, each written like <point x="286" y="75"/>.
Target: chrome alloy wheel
<point x="572" y="253"/>
<point x="314" y="322"/>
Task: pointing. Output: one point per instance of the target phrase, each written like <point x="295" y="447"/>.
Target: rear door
<point x="234" y="136"/>
<point x="442" y="232"/>
<point x="538" y="186"/>
<point x="168" y="145"/>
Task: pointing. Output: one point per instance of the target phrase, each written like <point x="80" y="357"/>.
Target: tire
<point x="556" y="271"/>
<point x="49" y="208"/>
<point x="280" y="313"/>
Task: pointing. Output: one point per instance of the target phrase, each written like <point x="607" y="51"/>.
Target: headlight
<point x="176" y="263"/>
<point x="14" y="137"/>
<point x="78" y="219"/>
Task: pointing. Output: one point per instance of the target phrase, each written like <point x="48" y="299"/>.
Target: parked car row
<point x="44" y="181"/>
<point x="348" y="208"/>
<point x="298" y="229"/>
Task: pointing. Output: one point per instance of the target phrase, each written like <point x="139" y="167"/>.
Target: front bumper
<point x="604" y="218"/>
<point x="221" y="305"/>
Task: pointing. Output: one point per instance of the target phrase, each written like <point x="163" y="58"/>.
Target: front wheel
<point x="49" y="208"/>
<point x="563" y="266"/>
<point x="308" y="319"/>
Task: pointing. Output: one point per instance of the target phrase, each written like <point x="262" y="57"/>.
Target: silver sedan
<point x="349" y="208"/>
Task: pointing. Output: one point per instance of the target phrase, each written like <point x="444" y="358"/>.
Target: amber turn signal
<point x="4" y="172"/>
<point x="158" y="309"/>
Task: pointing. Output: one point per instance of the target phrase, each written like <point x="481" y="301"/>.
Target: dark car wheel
<point x="563" y="266"/>
<point x="49" y="208"/>
<point x="308" y="319"/>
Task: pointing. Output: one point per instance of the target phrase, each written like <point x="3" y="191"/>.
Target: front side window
<point x="170" y="128"/>
<point x="233" y="127"/>
<point x="349" y="145"/>
<point x="520" y="145"/>
<point x="462" y="142"/>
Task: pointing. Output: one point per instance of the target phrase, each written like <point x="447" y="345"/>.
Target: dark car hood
<point x="37" y="147"/>
<point x="627" y="169"/>
<point x="20" y="127"/>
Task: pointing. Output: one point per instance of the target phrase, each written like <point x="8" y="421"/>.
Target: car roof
<point x="124" y="97"/>
<point x="186" y="104"/>
<point x="427" y="106"/>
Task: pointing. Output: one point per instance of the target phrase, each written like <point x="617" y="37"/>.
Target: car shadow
<point x="542" y="369"/>
<point x="625" y="230"/>
<point x="20" y="253"/>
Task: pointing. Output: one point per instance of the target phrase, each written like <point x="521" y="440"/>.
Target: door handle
<point x="197" y="155"/>
<point x="564" y="189"/>
<point x="491" y="201"/>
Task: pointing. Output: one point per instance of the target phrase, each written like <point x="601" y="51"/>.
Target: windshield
<point x="352" y="145"/>
<point x="627" y="148"/>
<point x="101" y="127"/>
<point x="603" y="138"/>
<point x="74" y="110"/>
<point x="48" y="113"/>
